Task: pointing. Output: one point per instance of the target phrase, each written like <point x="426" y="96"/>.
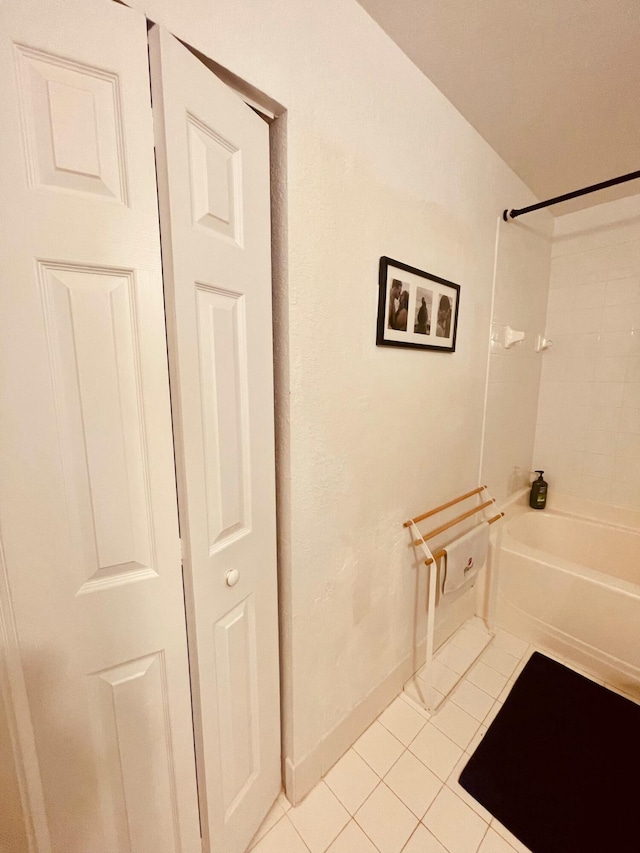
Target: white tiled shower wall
<point x="520" y="301"/>
<point x="588" y="424"/>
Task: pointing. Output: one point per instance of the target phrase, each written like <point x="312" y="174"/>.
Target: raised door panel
<point x="222" y="345"/>
<point x="130" y="709"/>
<point x="72" y="124"/>
<point x="215" y="179"/>
<point x="237" y="686"/>
<point x="92" y="321"/>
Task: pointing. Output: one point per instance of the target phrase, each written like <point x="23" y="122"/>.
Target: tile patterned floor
<point x="396" y="789"/>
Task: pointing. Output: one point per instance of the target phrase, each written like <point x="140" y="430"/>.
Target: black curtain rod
<point x="511" y="214"/>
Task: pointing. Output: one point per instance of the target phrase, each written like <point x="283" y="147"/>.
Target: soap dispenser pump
<point x="538" y="496"/>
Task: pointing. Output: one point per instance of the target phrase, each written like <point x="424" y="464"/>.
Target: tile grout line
<point x="424" y="722"/>
<point x="412" y="834"/>
<point x="254" y="844"/>
<point x="295" y="829"/>
<point x="424" y="719"/>
<point x="364" y="832"/>
<point x="449" y="697"/>
<point x="382" y="782"/>
<point x="463" y="802"/>
<point x="483" y="838"/>
<point x="362" y="829"/>
<point x="362" y="756"/>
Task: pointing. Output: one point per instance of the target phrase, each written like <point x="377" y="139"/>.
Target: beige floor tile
<point x="273" y="816"/>
<point x="494" y="843"/>
<point x="442" y="677"/>
<point x="319" y="819"/>
<point x="455" y="658"/>
<point x="352" y="840"/>
<point x="379" y="748"/>
<point x="436" y="751"/>
<point x="500" y="660"/>
<point x="454" y="824"/>
<point x="469" y="640"/>
<point x="422" y="841"/>
<point x="487" y="679"/>
<point x="402" y="721"/>
<point x="472" y="699"/>
<point x="386" y="820"/>
<point x="283" y="837"/>
<point x="476" y="739"/>
<point x="351" y="780"/>
<point x="456" y="724"/>
<point x="413" y="783"/>
<point x="417" y="706"/>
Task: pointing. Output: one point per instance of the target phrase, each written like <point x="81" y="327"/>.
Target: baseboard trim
<point x="302" y="777"/>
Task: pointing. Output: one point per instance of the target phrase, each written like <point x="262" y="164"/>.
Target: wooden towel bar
<point x="423" y="539"/>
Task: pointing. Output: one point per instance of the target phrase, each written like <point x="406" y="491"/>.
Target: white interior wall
<point x="588" y="432"/>
<point x="378" y="163"/>
<point x="13" y="835"/>
<point x="523" y="256"/>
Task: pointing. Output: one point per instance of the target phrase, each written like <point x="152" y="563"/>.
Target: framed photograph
<point x="415" y="308"/>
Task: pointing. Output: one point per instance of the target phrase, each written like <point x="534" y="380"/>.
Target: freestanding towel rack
<point x="432" y="558"/>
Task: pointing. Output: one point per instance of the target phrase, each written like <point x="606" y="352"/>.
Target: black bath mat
<point x="560" y="764"/>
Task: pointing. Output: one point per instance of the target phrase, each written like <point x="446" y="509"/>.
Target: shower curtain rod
<point x="511" y="214"/>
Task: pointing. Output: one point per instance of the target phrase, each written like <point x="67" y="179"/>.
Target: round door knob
<point x="232" y="577"/>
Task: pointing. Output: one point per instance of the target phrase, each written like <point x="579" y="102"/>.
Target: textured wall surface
<point x="13" y="837"/>
<point x="588" y="433"/>
<point x="378" y="163"/>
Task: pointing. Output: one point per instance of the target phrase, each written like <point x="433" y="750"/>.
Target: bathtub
<point x="569" y="580"/>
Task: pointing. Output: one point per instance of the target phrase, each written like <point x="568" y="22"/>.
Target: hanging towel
<point x="465" y="556"/>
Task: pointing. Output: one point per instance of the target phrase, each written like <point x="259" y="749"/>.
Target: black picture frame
<point x="408" y="300"/>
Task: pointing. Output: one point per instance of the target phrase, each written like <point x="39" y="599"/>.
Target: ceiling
<point x="552" y="85"/>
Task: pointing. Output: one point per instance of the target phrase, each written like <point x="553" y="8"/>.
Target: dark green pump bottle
<point x="538" y="496"/>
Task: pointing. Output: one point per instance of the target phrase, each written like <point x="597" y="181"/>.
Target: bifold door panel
<point x="213" y="176"/>
<point x="92" y="604"/>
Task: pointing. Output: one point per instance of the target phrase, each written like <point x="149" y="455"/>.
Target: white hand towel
<point x="465" y="557"/>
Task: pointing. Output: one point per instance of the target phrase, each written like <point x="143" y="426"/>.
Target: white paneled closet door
<point x="213" y="174"/>
<point x="91" y="598"/>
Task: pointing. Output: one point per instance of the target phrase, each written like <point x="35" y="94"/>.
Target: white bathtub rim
<point x="580" y="508"/>
<point x="592" y="519"/>
<point x="517" y="513"/>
